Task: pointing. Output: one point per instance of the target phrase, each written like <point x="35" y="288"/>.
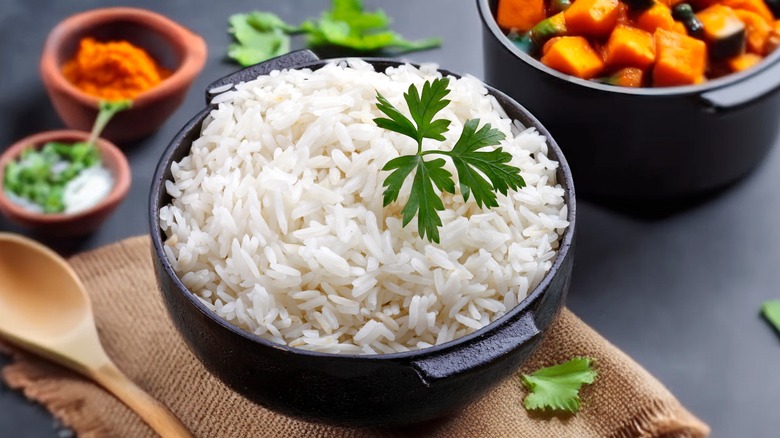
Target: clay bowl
<point x="67" y="224"/>
<point x="171" y="45"/>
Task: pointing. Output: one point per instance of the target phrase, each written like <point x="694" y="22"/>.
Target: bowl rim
<point x="122" y="176"/>
<point x="192" y="62"/>
<point x="562" y="254"/>
<point x="489" y="23"/>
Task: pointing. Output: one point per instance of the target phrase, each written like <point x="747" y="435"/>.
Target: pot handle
<point x="292" y="59"/>
<point x="745" y="92"/>
<point x="483" y="350"/>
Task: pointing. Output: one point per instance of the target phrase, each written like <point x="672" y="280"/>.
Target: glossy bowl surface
<point x="68" y="224"/>
<point x="171" y="45"/>
<point x="385" y="389"/>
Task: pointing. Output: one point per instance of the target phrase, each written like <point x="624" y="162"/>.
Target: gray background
<point x="680" y="294"/>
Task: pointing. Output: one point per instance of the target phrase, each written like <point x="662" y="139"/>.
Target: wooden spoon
<point x="45" y="309"/>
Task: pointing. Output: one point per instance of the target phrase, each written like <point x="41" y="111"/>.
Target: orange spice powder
<point x="113" y="70"/>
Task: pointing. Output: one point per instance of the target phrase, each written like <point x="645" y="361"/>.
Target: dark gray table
<point x="679" y="294"/>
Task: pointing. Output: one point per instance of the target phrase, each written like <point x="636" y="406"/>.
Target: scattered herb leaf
<point x="349" y="26"/>
<point x="558" y="387"/>
<point x="263" y="35"/>
<point x="771" y="311"/>
<point x="265" y="21"/>
<point x="259" y="36"/>
<point x="470" y="163"/>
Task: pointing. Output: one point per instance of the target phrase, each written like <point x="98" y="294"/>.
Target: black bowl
<point x="643" y="144"/>
<point x="387" y="389"/>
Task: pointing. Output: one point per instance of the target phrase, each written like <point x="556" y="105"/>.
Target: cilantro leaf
<point x="771" y="311"/>
<point x="259" y="36"/>
<point x="472" y="164"/>
<point x="348" y="25"/>
<point x="107" y="109"/>
<point x="351" y="12"/>
<point x="262" y="35"/>
<point x="266" y="21"/>
<point x="557" y="387"/>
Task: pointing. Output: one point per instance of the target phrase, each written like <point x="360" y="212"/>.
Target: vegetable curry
<point x="636" y="43"/>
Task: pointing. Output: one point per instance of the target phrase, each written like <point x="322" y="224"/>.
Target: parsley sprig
<point x="480" y="173"/>
<point x="558" y="387"/>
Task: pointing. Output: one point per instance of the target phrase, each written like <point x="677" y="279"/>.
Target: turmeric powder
<point x="112" y="70"/>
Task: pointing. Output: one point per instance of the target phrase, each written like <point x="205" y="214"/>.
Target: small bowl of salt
<point x="62" y="183"/>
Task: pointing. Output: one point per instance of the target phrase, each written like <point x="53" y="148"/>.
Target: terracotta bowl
<point x="67" y="224"/>
<point x="171" y="45"/>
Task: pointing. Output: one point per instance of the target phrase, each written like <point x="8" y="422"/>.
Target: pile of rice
<point x="277" y="223"/>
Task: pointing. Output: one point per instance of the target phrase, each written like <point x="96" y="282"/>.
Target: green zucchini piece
<point x="684" y="13"/>
<point x="532" y="41"/>
<point x="559" y="5"/>
<point x="524" y="43"/>
<point x="548" y="28"/>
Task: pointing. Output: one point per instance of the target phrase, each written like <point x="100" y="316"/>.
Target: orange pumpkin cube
<point x="520" y="15"/>
<point x="680" y="59"/>
<point x="658" y="16"/>
<point x="758" y="31"/>
<point x="573" y="56"/>
<point x="756" y="6"/>
<point x="594" y="18"/>
<point x="744" y="61"/>
<point x="626" y="77"/>
<point x="679" y="28"/>
<point x="548" y="44"/>
<point x="630" y="47"/>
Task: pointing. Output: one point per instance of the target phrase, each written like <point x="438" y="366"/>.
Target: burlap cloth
<point x="624" y="401"/>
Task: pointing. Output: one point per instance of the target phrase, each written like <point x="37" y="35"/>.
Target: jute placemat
<point x="625" y="400"/>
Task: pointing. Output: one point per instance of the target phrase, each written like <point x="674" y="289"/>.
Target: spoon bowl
<point x="40" y="307"/>
<point x="45" y="309"/>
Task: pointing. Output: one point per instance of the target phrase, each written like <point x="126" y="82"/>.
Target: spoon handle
<point x="154" y="413"/>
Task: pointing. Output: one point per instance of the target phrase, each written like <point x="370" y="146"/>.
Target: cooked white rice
<point x="277" y="223"/>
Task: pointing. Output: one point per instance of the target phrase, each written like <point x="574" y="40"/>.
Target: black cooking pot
<point x="643" y="143"/>
<point x="386" y="389"/>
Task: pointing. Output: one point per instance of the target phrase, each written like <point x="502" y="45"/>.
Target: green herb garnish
<point x="106" y="111"/>
<point x="259" y="36"/>
<point x="771" y="311"/>
<point x="40" y="176"/>
<point x="558" y="387"/>
<point x="263" y="35"/>
<point x="471" y="164"/>
<point x="349" y="26"/>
